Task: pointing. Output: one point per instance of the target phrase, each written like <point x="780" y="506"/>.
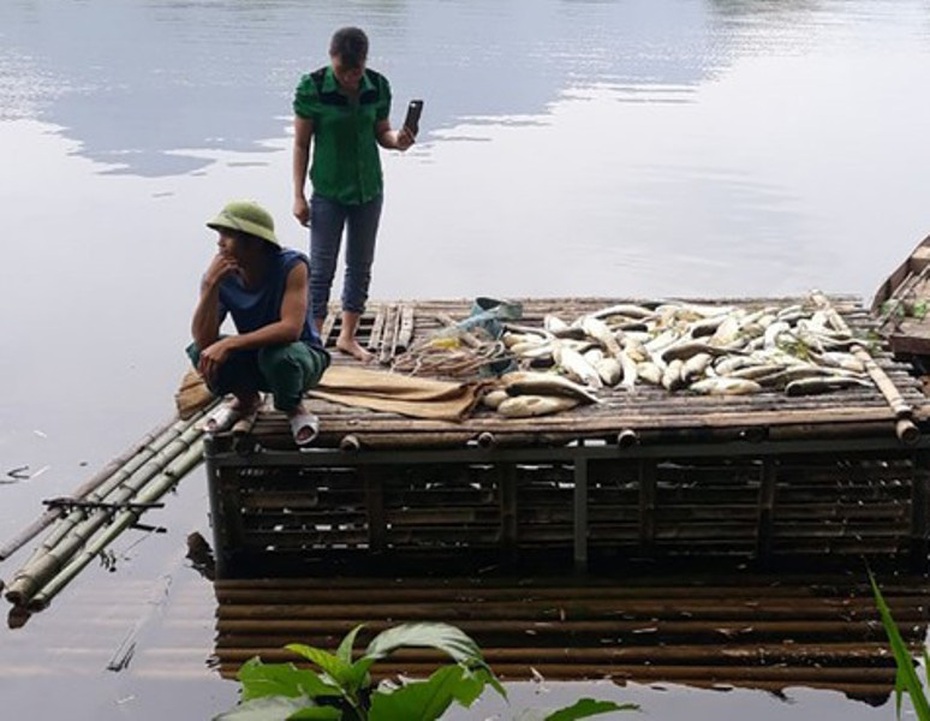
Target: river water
<point x="624" y="148"/>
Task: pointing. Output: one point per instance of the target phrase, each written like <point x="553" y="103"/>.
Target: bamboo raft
<point x="712" y="630"/>
<point x="650" y="474"/>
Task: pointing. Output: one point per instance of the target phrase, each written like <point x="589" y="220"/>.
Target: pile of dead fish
<point x="679" y="346"/>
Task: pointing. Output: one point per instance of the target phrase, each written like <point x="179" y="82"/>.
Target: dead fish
<point x="553" y="323"/>
<point x="597" y="329"/>
<point x="727" y="332"/>
<point x="754" y="372"/>
<point x="649" y="372"/>
<point x="629" y="370"/>
<point x="527" y="406"/>
<point x="492" y="399"/>
<point x="512" y="338"/>
<point x="532" y="349"/>
<point x="695" y="366"/>
<point x="774" y="331"/>
<point x="574" y="364"/>
<point x="662" y="341"/>
<point x="726" y="365"/>
<point x="671" y="376"/>
<point x="609" y="369"/>
<point x="546" y="384"/>
<point x="633" y="347"/>
<point x="630" y="310"/>
<point x="687" y="348"/>
<point x="725" y="386"/>
<point x="783" y="377"/>
<point x="813" y="386"/>
<point x="836" y="359"/>
<point x="706" y="326"/>
<point x="697" y="311"/>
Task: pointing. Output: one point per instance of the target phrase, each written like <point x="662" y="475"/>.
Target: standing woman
<point x="344" y="109"/>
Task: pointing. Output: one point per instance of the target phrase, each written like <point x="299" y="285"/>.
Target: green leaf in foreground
<point x="418" y="700"/>
<point x="331" y="664"/>
<point x="441" y="636"/>
<point x="907" y="679"/>
<point x="276" y="708"/>
<point x="260" y="680"/>
<point x="589" y="707"/>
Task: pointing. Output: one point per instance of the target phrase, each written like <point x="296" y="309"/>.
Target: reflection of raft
<point x="703" y="629"/>
<point x="902" y="304"/>
<point x="645" y="474"/>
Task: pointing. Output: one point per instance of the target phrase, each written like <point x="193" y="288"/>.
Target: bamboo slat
<point x="377" y="328"/>
<point x="387" y="336"/>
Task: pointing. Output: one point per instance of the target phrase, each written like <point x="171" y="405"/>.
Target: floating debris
<point x="20" y="473"/>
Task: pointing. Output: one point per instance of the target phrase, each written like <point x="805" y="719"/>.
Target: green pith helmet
<point x="246" y="216"/>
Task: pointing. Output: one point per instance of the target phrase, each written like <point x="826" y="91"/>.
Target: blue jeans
<point x="327" y="220"/>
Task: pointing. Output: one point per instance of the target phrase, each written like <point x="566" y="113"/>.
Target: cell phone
<point x="412" y="121"/>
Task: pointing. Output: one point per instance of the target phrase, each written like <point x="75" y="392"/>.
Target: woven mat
<point x="394" y="393"/>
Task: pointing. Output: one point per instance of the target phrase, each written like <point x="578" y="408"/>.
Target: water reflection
<point x="706" y="630"/>
<point x="182" y="76"/>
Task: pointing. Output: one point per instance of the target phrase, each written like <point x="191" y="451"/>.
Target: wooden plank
<point x="386" y="354"/>
<point x="405" y="332"/>
<point x="327" y="329"/>
<point x="377" y="328"/>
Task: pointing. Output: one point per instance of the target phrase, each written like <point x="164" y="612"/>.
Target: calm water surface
<point x="642" y="148"/>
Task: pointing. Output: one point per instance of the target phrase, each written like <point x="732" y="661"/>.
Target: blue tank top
<point x="254" y="309"/>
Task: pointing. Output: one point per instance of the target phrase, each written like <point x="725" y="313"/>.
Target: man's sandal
<point x="305" y="427"/>
<point x="222" y="419"/>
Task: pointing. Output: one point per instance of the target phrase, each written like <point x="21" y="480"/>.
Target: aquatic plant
<point x="343" y="689"/>
<point x="906" y="679"/>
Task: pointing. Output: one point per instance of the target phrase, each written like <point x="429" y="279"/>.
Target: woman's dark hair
<point x="350" y="45"/>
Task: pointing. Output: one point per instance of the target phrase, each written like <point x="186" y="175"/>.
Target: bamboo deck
<point x="719" y="630"/>
<point x="649" y="474"/>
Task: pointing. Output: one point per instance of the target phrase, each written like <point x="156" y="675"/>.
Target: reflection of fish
<point x="526" y="406"/>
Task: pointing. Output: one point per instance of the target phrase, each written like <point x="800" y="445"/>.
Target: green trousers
<point x="285" y="371"/>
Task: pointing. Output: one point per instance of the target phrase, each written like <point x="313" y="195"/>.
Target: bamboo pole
<point x="902" y="410"/>
<point x="151" y="442"/>
<point x="74" y="530"/>
<point x="165" y="480"/>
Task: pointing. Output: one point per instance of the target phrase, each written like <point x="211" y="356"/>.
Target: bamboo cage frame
<point x="649" y="474"/>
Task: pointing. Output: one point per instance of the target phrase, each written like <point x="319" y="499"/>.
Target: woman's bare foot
<point x="350" y="346"/>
